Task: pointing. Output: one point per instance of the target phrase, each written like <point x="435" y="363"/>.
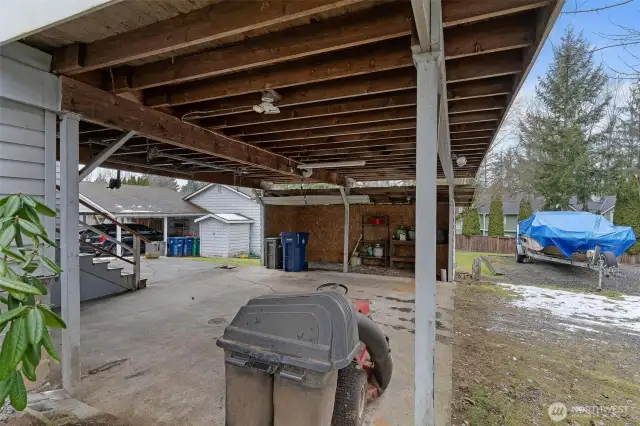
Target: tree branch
<point x="598" y="9"/>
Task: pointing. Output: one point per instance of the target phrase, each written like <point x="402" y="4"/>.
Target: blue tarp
<point x="577" y="231"/>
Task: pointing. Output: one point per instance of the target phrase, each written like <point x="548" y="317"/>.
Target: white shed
<point x="224" y="234"/>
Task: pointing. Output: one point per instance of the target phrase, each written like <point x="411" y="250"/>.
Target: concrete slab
<point x="149" y="357"/>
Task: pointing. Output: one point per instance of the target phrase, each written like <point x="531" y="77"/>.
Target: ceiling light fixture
<point x="461" y="161"/>
<point x="333" y="164"/>
<point x="269" y="98"/>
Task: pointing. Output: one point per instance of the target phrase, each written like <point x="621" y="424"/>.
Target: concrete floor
<point x="167" y="369"/>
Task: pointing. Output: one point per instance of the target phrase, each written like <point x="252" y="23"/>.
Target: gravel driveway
<point x="552" y="274"/>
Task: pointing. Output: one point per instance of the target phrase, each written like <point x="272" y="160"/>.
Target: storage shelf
<point x="374" y="241"/>
<point x="403" y="243"/>
<point x="375" y="224"/>
<point x="403" y="259"/>
<point x="372" y="257"/>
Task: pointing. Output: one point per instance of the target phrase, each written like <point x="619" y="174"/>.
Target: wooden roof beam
<point x="220" y="20"/>
<point x="100" y="107"/>
<point x="357" y="150"/>
<point x="334" y="131"/>
<point x="328" y="121"/>
<point x="367" y="26"/>
<point x="458" y="12"/>
<point x="484" y="66"/>
<point x="344" y="146"/>
<point x="504" y="33"/>
<point x="374" y="103"/>
<point x="472" y="135"/>
<point x="478" y="104"/>
<point x="474" y="117"/>
<point x="376" y="137"/>
<point x="382" y="56"/>
<point x="386" y="82"/>
<point x="498" y="86"/>
<point x="471" y="128"/>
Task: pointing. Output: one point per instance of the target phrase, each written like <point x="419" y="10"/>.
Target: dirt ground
<point x="543" y="273"/>
<point x="510" y="363"/>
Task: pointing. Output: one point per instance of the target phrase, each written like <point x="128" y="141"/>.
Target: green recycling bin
<point x="195" y="247"/>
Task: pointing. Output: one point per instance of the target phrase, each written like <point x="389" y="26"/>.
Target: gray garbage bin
<point x="283" y="353"/>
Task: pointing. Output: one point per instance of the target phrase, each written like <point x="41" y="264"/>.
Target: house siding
<point x="214" y="241"/>
<point x="22" y="156"/>
<point x="239" y="235"/>
<point x="219" y="199"/>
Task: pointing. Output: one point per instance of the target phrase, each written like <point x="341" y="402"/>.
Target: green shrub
<point x="471" y="223"/>
<point x="627" y="212"/>
<point x="525" y="211"/>
<point x="496" y="220"/>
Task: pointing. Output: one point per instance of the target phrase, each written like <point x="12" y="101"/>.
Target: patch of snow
<point x="589" y="309"/>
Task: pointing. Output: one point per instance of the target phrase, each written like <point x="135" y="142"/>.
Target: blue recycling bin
<point x="169" y="246"/>
<point x="187" y="245"/>
<point x="178" y="246"/>
<point x="294" y="246"/>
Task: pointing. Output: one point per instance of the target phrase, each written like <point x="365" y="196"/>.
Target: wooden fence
<point x="508" y="245"/>
<point x="486" y="244"/>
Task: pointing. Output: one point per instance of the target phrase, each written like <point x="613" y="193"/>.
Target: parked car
<point x="93" y="238"/>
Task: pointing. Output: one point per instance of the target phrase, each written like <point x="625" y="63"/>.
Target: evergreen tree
<point x="564" y="132"/>
<point x="163" y="181"/>
<point x="191" y="186"/>
<point x="471" y="223"/>
<point x="525" y="210"/>
<point x="627" y="211"/>
<point x="496" y="220"/>
<point x="141" y="180"/>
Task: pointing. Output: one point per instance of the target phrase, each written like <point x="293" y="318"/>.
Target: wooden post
<point x="426" y="195"/>
<point x="69" y="252"/>
<point x="136" y="260"/>
<point x="118" y="237"/>
<point x="475" y="269"/>
<point x="345" y="261"/>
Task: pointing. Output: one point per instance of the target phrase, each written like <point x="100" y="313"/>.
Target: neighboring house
<point x="221" y="200"/>
<point x="226" y="234"/>
<point x="605" y="205"/>
<point x="510" y="206"/>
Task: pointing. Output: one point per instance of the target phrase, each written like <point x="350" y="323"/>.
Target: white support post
<point x="452" y="235"/>
<point x="263" y="226"/>
<point x="49" y="223"/>
<point x="345" y="262"/>
<point x="118" y="237"/>
<point x="69" y="252"/>
<point x="426" y="206"/>
<point x="165" y="229"/>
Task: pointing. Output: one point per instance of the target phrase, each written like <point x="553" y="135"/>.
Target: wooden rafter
<point x="474" y="117"/>
<point x="382" y="56"/>
<point x="484" y="66"/>
<point x="458" y="12"/>
<point x="478" y="104"/>
<point x="99" y="107"/>
<point x="498" y="86"/>
<point x="204" y="25"/>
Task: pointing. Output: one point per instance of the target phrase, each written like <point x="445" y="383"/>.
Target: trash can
<point x="177" y="247"/>
<point x="274" y="252"/>
<point x="282" y="356"/>
<point x="187" y="245"/>
<point x="294" y="246"/>
<point x="195" y="248"/>
<point x="152" y="250"/>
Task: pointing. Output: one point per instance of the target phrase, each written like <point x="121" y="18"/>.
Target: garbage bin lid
<point x="315" y="331"/>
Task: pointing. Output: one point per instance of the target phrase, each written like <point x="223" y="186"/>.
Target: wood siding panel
<point x="220" y="199"/>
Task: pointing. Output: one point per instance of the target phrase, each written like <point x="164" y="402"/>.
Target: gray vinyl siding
<point x="238" y="238"/>
<point x="214" y="238"/>
<point x="22" y="154"/>
<point x="219" y="199"/>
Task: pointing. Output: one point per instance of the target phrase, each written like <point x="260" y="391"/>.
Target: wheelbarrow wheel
<point x="351" y="397"/>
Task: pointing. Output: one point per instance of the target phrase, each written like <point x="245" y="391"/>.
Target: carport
<point x="367" y="90"/>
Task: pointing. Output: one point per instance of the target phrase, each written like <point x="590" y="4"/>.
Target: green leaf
<point x="52" y="319"/>
<point x="13" y="347"/>
<point x="11" y="254"/>
<point x="4" y="200"/>
<point x="35" y="326"/>
<point x="7" y="235"/>
<point x="27" y="200"/>
<point x="46" y="239"/>
<point x="31" y="214"/>
<point x="12" y="206"/>
<point x="4" y="300"/>
<point x="29" y="370"/>
<point x="3" y="267"/>
<point x="12" y="302"/>
<point x="18" y="393"/>
<point x="48" y="346"/>
<point x="5" y="387"/>
<point x="33" y="354"/>
<point x="13" y="313"/>
<point x="43" y="209"/>
<point x="50" y="265"/>
<point x="29" y="228"/>
<point x="37" y="283"/>
<point x="12" y="285"/>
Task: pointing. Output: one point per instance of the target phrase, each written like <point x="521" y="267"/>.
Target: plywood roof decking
<point x="343" y="67"/>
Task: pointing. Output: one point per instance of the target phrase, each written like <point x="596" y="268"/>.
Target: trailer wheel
<point x="351" y="397"/>
<point x="519" y="257"/>
<point x="610" y="259"/>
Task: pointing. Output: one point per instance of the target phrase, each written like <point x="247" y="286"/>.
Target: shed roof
<point x="136" y="200"/>
<point x="232" y="218"/>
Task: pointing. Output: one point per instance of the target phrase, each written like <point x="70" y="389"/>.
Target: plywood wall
<point x="326" y="225"/>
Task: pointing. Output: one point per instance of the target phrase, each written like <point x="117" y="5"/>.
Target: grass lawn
<point x="227" y="261"/>
<point x="464" y="261"/>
